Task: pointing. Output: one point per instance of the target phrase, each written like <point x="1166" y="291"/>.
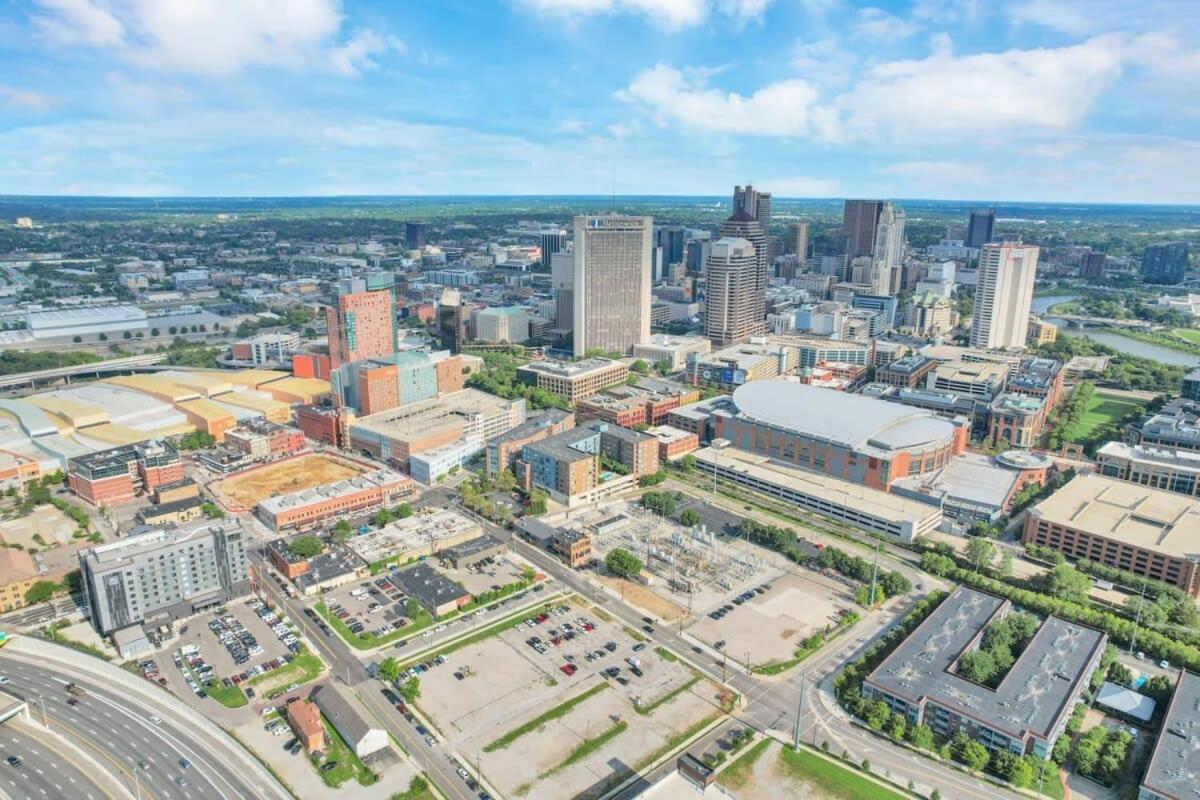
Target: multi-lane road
<point x="47" y="770"/>
<point x="151" y="748"/>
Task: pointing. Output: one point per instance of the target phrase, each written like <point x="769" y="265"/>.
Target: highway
<point x="47" y="772"/>
<point x="117" y="730"/>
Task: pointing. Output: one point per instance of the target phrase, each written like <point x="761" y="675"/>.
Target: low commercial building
<point x="854" y="504"/>
<point x="1149" y="532"/>
<point x="574" y="380"/>
<point x="436" y="593"/>
<point x="1175" y="425"/>
<point x="175" y="491"/>
<point x="673" y="443"/>
<point x="305" y="720"/>
<point x="1158" y="467"/>
<point x="120" y="474"/>
<point x="175" y="512"/>
<point x="907" y="373"/>
<point x="504" y="449"/>
<point x="645" y="403"/>
<point x="324" y="424"/>
<point x="405" y="540"/>
<point x="289" y="565"/>
<point x="674" y="350"/>
<point x="263" y="440"/>
<point x="158" y="575"/>
<point x="328" y="571"/>
<point x="473" y="551"/>
<point x="362" y="737"/>
<point x="358" y="495"/>
<point x="266" y="348"/>
<point x="573" y="547"/>
<point x="1024" y="714"/>
<point x="984" y="380"/>
<point x="976" y="488"/>
<point x="744" y="363"/>
<point x="1174" y="769"/>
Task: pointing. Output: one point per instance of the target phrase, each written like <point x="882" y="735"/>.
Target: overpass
<point x="1083" y="321"/>
<point x="97" y="368"/>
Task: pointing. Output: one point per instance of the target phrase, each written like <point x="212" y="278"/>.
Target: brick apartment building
<point x="122" y="473"/>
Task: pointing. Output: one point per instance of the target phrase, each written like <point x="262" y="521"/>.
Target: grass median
<point x="305" y="667"/>
<point x="478" y="636"/>
<point x="537" y="722"/>
<point x="586" y="748"/>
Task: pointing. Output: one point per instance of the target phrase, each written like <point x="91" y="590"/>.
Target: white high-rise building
<point x="1004" y="295"/>
<point x="611" y="282"/>
<point x="888" y="252"/>
<point x="733" y="305"/>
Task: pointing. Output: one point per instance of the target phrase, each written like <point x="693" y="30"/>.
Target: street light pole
<point x="799" y="716"/>
<point x="1138" y="620"/>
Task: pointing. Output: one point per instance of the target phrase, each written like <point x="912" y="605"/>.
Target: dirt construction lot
<point x="509" y="684"/>
<point x="769" y="626"/>
<point x="293" y="475"/>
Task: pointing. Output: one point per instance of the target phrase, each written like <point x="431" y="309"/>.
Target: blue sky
<point x="1074" y="100"/>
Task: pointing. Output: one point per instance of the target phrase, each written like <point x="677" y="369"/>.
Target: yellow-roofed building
<point x="254" y="378"/>
<point x="208" y="417"/>
<point x="157" y="386"/>
<point x="270" y="408"/>
<point x="206" y="384"/>
<point x="73" y="412"/>
<point x="297" y="390"/>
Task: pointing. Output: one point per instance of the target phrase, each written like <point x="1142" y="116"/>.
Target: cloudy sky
<point x="1072" y="100"/>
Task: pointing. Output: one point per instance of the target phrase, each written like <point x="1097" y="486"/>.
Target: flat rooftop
<point x="329" y="491"/>
<point x="534" y="423"/>
<point x="1152" y="519"/>
<point x="418" y="531"/>
<point x="1030" y="699"/>
<point x="970" y="478"/>
<point x="834" y="490"/>
<point x="571" y="369"/>
<point x="972" y="372"/>
<point x="421" y="419"/>
<point x="1180" y="460"/>
<point x="1174" y="769"/>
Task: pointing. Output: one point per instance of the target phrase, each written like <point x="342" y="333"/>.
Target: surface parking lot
<point x="477" y="694"/>
<point x="489" y="575"/>
<point x="767" y="621"/>
<point x="234" y="643"/>
<point x="374" y="604"/>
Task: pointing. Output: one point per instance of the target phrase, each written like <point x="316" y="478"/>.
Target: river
<point x="1131" y="346"/>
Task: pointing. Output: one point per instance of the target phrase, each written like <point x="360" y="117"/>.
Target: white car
<point x="154" y="719"/>
<point x="4" y="680"/>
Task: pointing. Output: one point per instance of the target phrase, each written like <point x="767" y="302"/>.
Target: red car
<point x="568" y="669"/>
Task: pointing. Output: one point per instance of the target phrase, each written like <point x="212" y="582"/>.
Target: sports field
<point x="251" y="487"/>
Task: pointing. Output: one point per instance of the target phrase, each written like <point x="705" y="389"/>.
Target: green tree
<point x="1067" y="583"/>
<point x="341" y="531"/>
<point x="389" y="669"/>
<point x="403" y="511"/>
<point x="1006" y="564"/>
<point x="506" y="481"/>
<point x="383" y="517"/>
<point x="305" y="546"/>
<point x="974" y="756"/>
<point x="689" y="518"/>
<point x="977" y="665"/>
<point x="212" y="510"/>
<point x="412" y="609"/>
<point x="410" y="690"/>
<point x="921" y="736"/>
<point x="41" y="591"/>
<point x="898" y="726"/>
<point x="538" y="500"/>
<point x="687" y="463"/>
<point x="980" y="552"/>
<point x="622" y="563"/>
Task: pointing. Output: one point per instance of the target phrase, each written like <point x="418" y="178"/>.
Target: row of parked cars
<point x="279" y="625"/>
<point x="739" y="600"/>
<point x="239" y="642"/>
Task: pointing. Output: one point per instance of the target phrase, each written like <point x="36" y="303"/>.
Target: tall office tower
<point x="796" y="241"/>
<point x="980" y="227"/>
<point x="414" y="235"/>
<point x="1003" y="295"/>
<point x="552" y="241"/>
<point x="1165" y="263"/>
<point x="755" y="203"/>
<point x="859" y="218"/>
<point x="888" y="250"/>
<point x="562" y="269"/>
<point x="1092" y="266"/>
<point x="696" y="254"/>
<point x="611" y="282"/>
<point x="734" y="305"/>
<point x="744" y="226"/>
<point x="362" y="319"/>
<point x="452" y="320"/>
<point x="671" y="239"/>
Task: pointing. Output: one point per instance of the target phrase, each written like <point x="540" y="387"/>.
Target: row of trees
<point x="1100" y="754"/>
<point x="1070" y="415"/>
<point x="1003" y="642"/>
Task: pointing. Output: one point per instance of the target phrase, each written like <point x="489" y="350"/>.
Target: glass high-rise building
<point x="980" y="227"/>
<point x="611" y="280"/>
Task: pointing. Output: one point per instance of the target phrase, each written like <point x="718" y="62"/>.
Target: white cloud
<point x="1064" y="17"/>
<point x="24" y="99"/>
<point x="216" y="37"/>
<point x="669" y="14"/>
<point x="571" y="126"/>
<point x="1006" y="93"/>
<point x="785" y="108"/>
<point x="878" y="25"/>
<point x="78" y="22"/>
<point x="358" y="54"/>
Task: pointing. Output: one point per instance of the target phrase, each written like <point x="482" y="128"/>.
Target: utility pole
<point x="724" y="664"/>
<point x="799" y="715"/>
<point x="1041" y="778"/>
<point x="874" y="575"/>
<point x="1138" y="620"/>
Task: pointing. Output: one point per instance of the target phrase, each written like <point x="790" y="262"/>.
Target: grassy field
<point x="1102" y="409"/>
<point x="832" y="779"/>
<point x="228" y="696"/>
<point x="537" y="722"/>
<point x="1188" y="334"/>
<point x="305" y="667"/>
<point x="737" y="773"/>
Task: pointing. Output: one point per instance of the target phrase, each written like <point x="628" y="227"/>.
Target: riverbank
<point x="1168" y="339"/>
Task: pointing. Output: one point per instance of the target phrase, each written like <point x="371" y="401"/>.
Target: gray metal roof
<point x="1127" y="701"/>
<point x="852" y="420"/>
<point x="1174" y="769"/>
<point x="1030" y="699"/>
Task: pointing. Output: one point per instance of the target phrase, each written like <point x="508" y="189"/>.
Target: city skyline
<point x="1029" y="101"/>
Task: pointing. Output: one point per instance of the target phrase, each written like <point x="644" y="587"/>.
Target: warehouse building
<point x="436" y="593"/>
<point x="420" y="535"/>
<point x="1024" y="714"/>
<point x="362" y="737"/>
<point x="1149" y="532"/>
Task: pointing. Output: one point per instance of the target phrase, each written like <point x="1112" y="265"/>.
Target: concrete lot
<point x="505" y="570"/>
<point x="46" y="522"/>
<point x="769" y="626"/>
<point x="509" y="683"/>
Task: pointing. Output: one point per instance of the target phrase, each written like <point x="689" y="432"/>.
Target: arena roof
<point x="851" y="420"/>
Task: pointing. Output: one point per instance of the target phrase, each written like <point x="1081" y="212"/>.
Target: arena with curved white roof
<point x="852" y="437"/>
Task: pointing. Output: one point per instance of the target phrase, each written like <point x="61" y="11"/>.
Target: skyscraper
<point x="980" y="226"/>
<point x="755" y="203"/>
<point x="1004" y="295"/>
<point x="452" y="321"/>
<point x="671" y="239"/>
<point x="362" y="320"/>
<point x="1165" y="263"/>
<point x="552" y="241"/>
<point x="742" y="225"/>
<point x="859" y="218"/>
<point x="562" y="273"/>
<point x="888" y="250"/>
<point x="1092" y="266"/>
<point x="611" y="282"/>
<point x="414" y="235"/>
<point x="796" y="241"/>
<point x="734" y="309"/>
